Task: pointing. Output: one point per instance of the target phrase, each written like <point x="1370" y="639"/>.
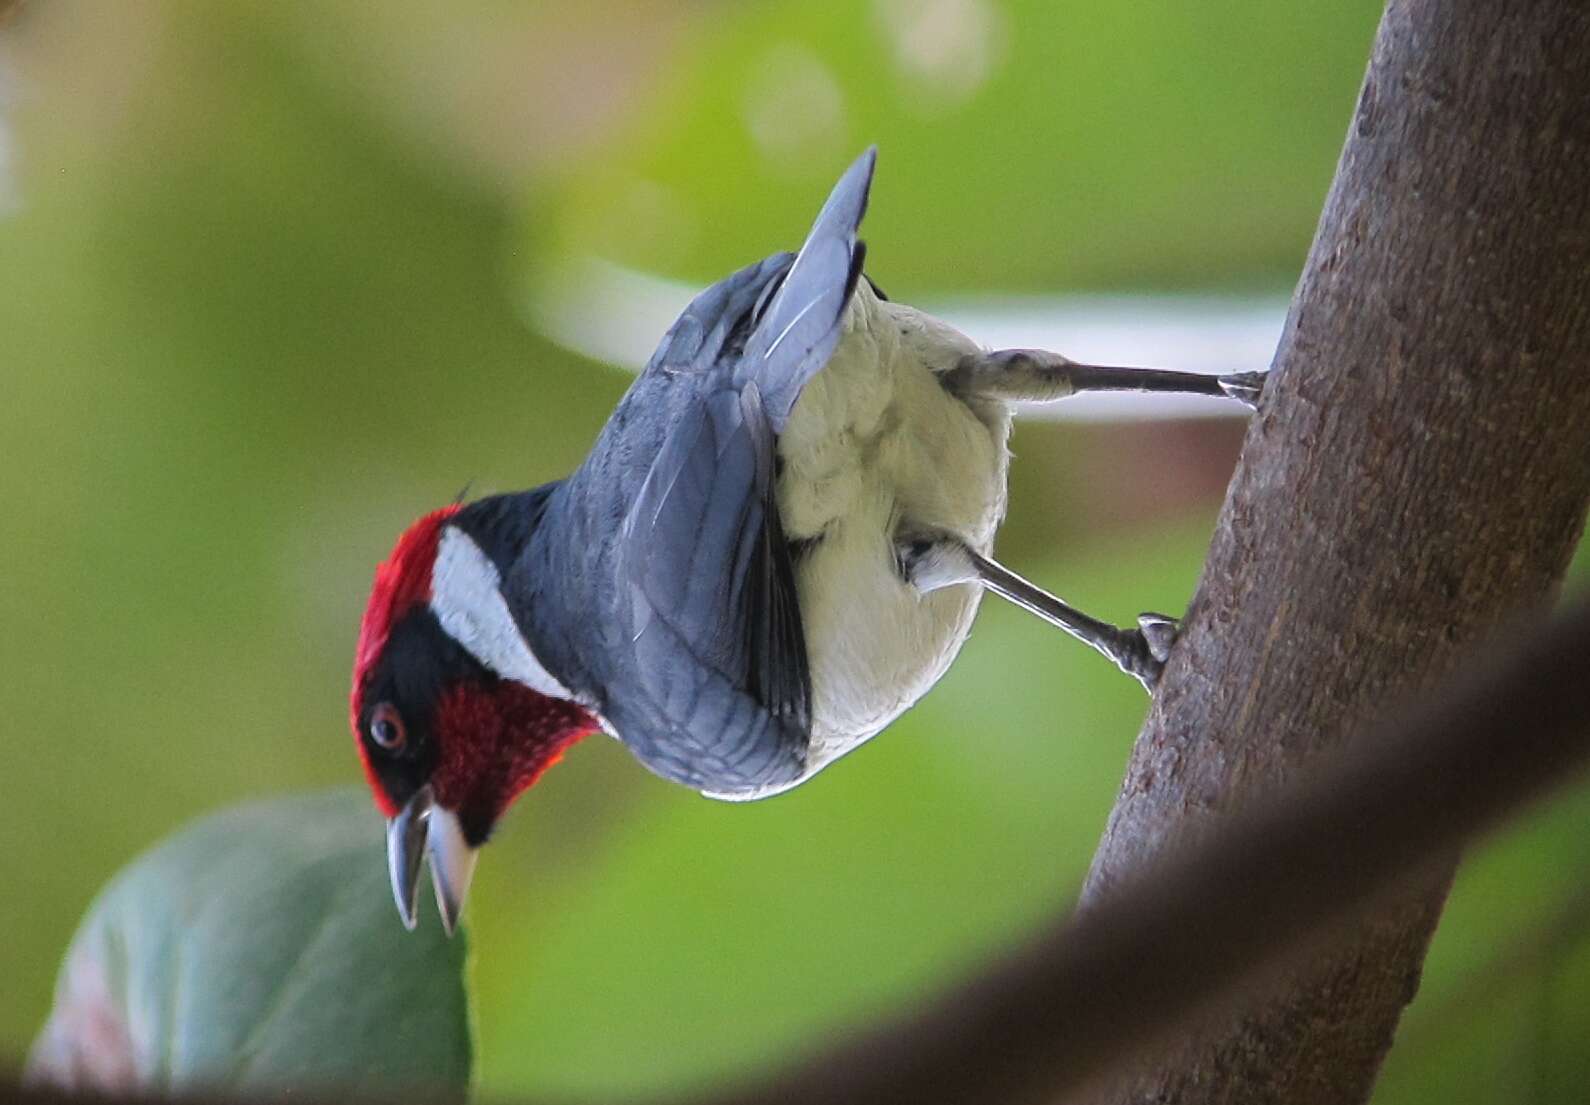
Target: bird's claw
<point x="1146" y="648"/>
<point x="1159" y="633"/>
<point x="1245" y="387"/>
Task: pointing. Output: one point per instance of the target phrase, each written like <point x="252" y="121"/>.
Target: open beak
<point x="422" y="827"/>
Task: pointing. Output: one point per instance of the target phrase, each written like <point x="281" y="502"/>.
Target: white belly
<point x="874" y="444"/>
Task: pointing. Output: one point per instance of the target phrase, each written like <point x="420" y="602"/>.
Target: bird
<point x="774" y="548"/>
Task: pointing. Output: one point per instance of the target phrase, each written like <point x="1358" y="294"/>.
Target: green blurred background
<point x="263" y="299"/>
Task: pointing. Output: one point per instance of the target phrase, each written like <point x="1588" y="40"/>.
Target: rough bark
<point x="1420" y="468"/>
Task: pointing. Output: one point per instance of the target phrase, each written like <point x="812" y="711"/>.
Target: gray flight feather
<point x="797" y="333"/>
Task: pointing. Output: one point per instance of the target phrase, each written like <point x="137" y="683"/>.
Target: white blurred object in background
<point x="10" y="199"/>
<point x="617" y="315"/>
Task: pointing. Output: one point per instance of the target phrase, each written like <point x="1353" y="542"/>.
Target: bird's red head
<point x="449" y="708"/>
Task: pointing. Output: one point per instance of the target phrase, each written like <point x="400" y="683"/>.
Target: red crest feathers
<point x="402" y="580"/>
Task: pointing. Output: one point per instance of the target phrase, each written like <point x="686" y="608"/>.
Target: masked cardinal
<point x="775" y="547"/>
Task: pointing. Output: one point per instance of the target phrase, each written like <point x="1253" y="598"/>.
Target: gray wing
<point x="719" y="691"/>
<point x="723" y="700"/>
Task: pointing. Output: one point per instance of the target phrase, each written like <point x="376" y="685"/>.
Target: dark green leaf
<point x="258" y="949"/>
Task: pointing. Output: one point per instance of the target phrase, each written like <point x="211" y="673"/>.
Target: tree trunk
<point x="1420" y="468"/>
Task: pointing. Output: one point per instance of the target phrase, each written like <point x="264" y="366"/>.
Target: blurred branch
<point x="1200" y="928"/>
<point x="1195" y="929"/>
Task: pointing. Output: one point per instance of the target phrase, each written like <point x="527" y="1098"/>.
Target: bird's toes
<point x="1159" y="634"/>
<point x="1245" y="387"/>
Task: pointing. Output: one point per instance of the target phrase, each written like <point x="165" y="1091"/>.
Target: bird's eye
<point x="386" y="727"/>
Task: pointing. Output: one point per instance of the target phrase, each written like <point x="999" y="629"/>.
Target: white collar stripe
<point x="466" y="596"/>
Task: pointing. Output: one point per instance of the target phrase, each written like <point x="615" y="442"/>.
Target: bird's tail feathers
<point x="798" y="331"/>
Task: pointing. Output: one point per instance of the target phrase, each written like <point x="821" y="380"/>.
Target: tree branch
<point x="1419" y="470"/>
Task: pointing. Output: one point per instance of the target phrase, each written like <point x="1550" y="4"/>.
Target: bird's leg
<point x="932" y="561"/>
<point x="1037" y="376"/>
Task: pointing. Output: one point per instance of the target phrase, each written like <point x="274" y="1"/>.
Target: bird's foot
<point x="1159" y="634"/>
<point x="1142" y="652"/>
<point x="1245" y="387"/>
